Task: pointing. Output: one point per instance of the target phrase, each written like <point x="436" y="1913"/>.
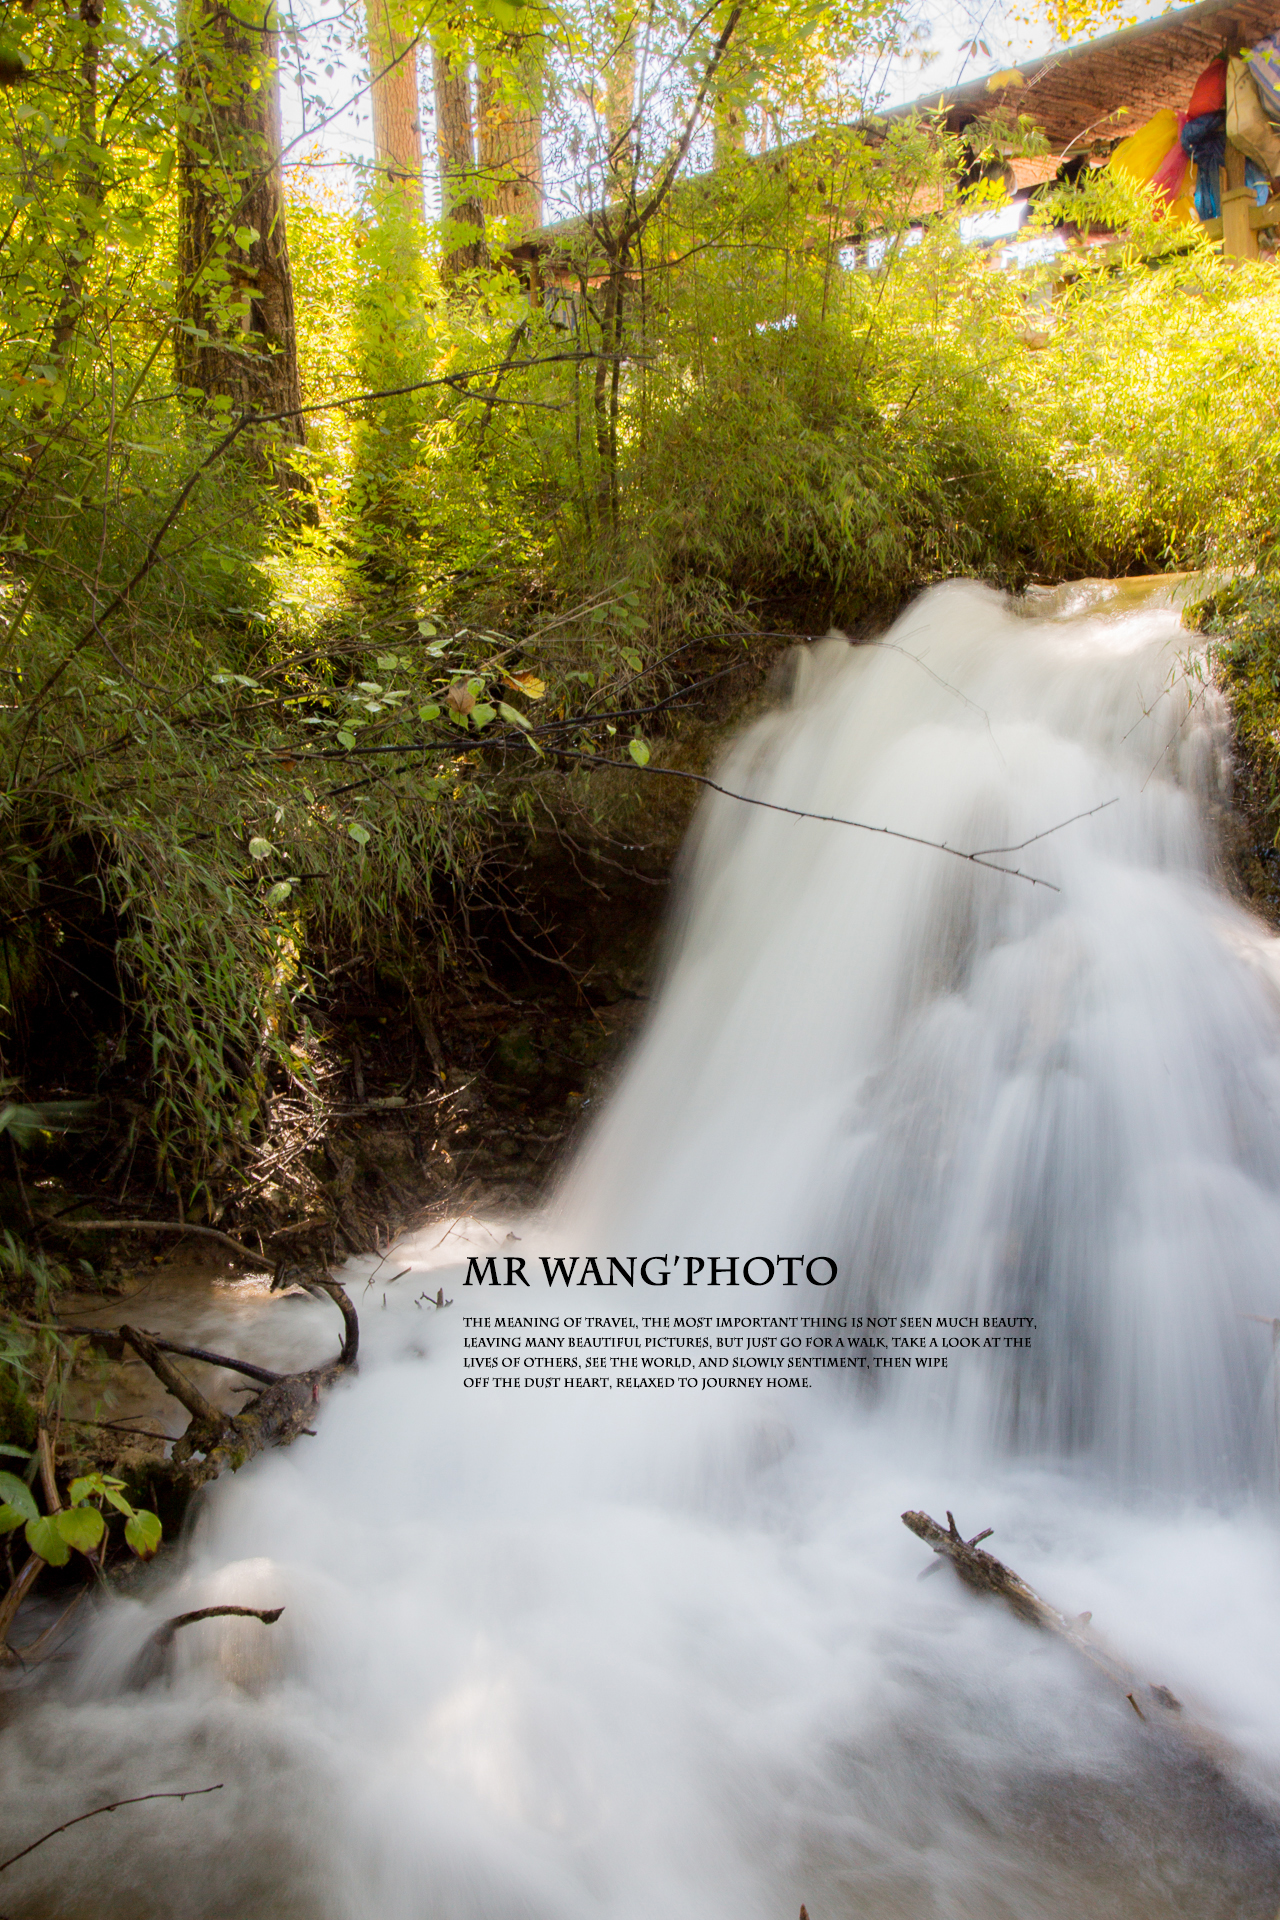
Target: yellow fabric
<point x="1142" y="153"/>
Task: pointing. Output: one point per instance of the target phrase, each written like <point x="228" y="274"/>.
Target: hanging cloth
<point x="1247" y="125"/>
<point x="1140" y="156"/>
<point x="1264" y="71"/>
<point x="1209" y="94"/>
<point x="1153" y="156"/>
<point x="1171" y="179"/>
<point x="1204" y="140"/>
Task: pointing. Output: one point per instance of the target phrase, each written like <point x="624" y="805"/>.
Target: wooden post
<point x="1239" y="241"/>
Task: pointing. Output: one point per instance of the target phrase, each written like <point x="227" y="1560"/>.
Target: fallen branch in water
<point x="103" y="1336"/>
<point x="112" y="1806"/>
<point x="984" y="1574"/>
<point x="271" y="1418"/>
<point x="163" y="1635"/>
<point x="153" y="1655"/>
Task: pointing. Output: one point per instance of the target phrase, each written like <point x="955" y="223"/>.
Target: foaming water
<point x="578" y="1657"/>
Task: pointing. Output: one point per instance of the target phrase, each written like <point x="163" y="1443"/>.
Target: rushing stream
<point x="625" y="1656"/>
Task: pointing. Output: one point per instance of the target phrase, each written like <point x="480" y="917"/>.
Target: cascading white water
<point x="573" y="1656"/>
<point x="984" y="1096"/>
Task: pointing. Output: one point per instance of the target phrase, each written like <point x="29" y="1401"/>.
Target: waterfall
<point x="611" y="1656"/>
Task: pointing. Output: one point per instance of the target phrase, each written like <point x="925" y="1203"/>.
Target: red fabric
<point x="1170" y="176"/>
<point x="1209" y="95"/>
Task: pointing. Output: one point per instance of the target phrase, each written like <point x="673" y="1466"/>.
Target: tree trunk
<point x="461" y="214"/>
<point x="88" y="183"/>
<point x="511" y="135"/>
<point x="620" y="94"/>
<point x="236" y="292"/>
<point x="397" y="124"/>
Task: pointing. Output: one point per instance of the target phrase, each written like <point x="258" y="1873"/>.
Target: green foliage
<point x="1243" y="614"/>
<point x="242" y="741"/>
<point x="80" y="1526"/>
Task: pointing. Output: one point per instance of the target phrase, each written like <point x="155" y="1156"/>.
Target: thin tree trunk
<point x="620" y="94"/>
<point x="238" y="339"/>
<point x="606" y="394"/>
<point x="397" y="124"/>
<point x="88" y="185"/>
<point x="461" y="213"/>
<point x="511" y="135"/>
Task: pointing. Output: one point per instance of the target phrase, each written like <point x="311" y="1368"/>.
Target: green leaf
<point x="346" y="739"/>
<point x="277" y="895"/>
<point x="431" y="712"/>
<point x="360" y="835"/>
<point x="80" y="1527"/>
<point x="633" y="659"/>
<point x="143" y="1533"/>
<point x="512" y="717"/>
<point x="10" y="1519"/>
<point x="17" y="1453"/>
<point x="639" y="753"/>
<point x="16" y="1493"/>
<point x="506" y="14"/>
<point x="89" y="1486"/>
<point x="481" y="714"/>
<point x="427" y="627"/>
<point x="260" y="849"/>
<point x="44" y="1539"/>
<point x="112" y="1490"/>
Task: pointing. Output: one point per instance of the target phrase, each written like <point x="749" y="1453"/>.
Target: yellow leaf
<point x="1007" y="77"/>
<point x="528" y="684"/>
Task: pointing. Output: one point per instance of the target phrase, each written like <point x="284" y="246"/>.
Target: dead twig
<point x="112" y="1806"/>
<point x="251" y="1259"/>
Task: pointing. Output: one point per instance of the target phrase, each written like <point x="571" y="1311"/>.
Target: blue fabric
<point x="1204" y="140"/>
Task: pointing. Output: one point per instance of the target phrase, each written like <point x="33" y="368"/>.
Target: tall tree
<point x="397" y="123"/>
<point x="236" y="337"/>
<point x="511" y="131"/>
<point x="461" y="211"/>
<point x="620" y="90"/>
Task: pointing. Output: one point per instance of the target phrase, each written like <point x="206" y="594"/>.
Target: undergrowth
<point x="302" y="731"/>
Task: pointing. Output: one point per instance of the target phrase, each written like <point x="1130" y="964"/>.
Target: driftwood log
<point x="984" y="1574"/>
<point x="277" y="1413"/>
